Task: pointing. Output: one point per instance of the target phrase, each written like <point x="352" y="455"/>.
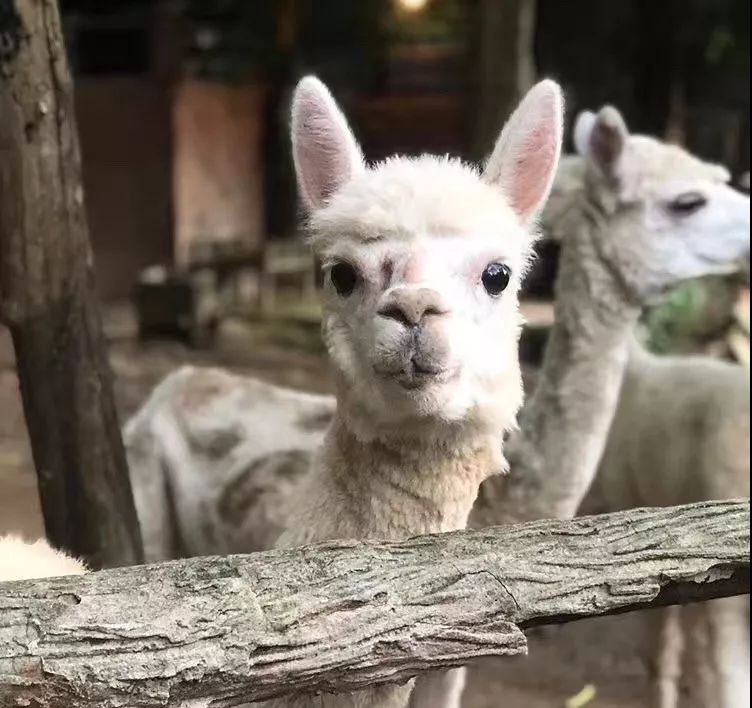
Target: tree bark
<point x="504" y="66"/>
<point x="48" y="301"/>
<point x="343" y="615"/>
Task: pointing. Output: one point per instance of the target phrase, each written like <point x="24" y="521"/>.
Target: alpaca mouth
<point x="417" y="374"/>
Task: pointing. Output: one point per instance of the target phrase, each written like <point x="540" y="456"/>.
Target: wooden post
<point x="47" y="297"/>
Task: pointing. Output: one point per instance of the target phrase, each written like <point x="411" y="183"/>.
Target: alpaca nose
<point x="411" y="306"/>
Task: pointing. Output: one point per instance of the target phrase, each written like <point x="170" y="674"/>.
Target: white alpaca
<point x="422" y="259"/>
<point x="21" y="560"/>
<point x="681" y="434"/>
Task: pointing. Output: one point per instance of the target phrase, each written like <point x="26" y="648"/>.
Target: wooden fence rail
<point x="339" y="616"/>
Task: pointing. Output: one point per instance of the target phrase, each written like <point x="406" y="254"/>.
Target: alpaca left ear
<point x="524" y="160"/>
<point x="324" y="149"/>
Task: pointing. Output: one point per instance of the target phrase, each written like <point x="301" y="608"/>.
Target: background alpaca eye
<point x="687" y="203"/>
<point x="495" y="278"/>
<point x="344" y="278"/>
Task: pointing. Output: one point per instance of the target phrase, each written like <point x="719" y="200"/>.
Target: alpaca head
<point x="671" y="215"/>
<point x="422" y="262"/>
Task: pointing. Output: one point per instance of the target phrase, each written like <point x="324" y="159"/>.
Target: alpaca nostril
<point x="419" y="368"/>
<point x="434" y="311"/>
<point x="393" y="312"/>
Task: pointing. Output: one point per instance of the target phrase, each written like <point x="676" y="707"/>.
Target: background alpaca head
<point x="671" y="216"/>
<point x="423" y="259"/>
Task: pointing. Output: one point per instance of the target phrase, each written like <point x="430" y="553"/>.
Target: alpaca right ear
<point x="324" y="150"/>
<point x="601" y="139"/>
<point x="524" y="160"/>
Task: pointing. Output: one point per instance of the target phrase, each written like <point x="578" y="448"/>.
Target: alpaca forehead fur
<point x="651" y="164"/>
<point x="404" y="198"/>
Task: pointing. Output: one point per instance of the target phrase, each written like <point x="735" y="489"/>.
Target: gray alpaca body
<point x="214" y="458"/>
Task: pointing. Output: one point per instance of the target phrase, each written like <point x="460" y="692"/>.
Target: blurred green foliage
<point x="693" y="314"/>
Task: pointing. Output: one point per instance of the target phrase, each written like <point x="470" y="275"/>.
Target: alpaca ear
<point x="601" y="139"/>
<point x="524" y="159"/>
<point x="583" y="127"/>
<point x="324" y="150"/>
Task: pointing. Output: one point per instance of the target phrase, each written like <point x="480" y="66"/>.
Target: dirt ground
<point x="605" y="653"/>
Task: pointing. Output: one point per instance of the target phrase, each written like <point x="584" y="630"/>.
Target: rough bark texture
<point x="343" y="615"/>
<point x="47" y="297"/>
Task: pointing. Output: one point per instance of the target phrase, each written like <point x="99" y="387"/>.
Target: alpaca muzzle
<point x="418" y="358"/>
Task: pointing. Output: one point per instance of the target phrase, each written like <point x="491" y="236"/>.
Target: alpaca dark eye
<point x="344" y="278"/>
<point x="495" y="278"/>
<point x="688" y="203"/>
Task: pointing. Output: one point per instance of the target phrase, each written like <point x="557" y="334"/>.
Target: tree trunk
<point x="343" y="615"/>
<point x="503" y="64"/>
<point x="48" y="301"/>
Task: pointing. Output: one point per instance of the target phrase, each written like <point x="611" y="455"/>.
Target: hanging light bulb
<point x="412" y="5"/>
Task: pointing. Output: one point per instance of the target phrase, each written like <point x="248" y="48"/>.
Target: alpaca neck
<point x="379" y="489"/>
<point x="410" y="486"/>
<point x="391" y="490"/>
<point x="564" y="426"/>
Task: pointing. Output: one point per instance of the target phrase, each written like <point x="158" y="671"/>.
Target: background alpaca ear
<point x="601" y="139"/>
<point x="524" y="159"/>
<point x="324" y="150"/>
<point x="583" y="127"/>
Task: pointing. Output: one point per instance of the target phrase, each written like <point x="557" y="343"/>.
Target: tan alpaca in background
<point x="422" y="259"/>
<point x="21" y="560"/>
<point x="645" y="216"/>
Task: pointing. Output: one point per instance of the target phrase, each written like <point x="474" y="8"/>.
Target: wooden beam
<point x="339" y="616"/>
